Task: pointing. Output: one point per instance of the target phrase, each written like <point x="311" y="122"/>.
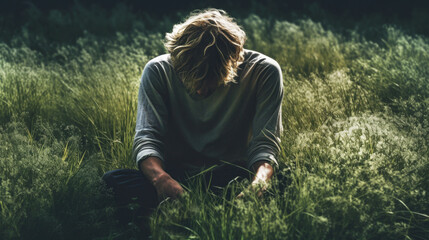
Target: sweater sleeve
<point x="267" y="122"/>
<point x="152" y="114"/>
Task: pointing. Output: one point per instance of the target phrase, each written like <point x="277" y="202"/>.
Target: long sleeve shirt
<point x="240" y="123"/>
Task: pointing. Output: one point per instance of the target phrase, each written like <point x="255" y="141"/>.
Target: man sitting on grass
<point x="208" y="103"/>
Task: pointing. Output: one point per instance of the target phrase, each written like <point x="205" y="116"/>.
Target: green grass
<point x="354" y="157"/>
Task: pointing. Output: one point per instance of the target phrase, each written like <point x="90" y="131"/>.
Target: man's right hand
<point x="164" y="184"/>
<point x="166" y="187"/>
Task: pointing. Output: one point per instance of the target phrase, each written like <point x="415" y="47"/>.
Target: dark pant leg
<point x="219" y="178"/>
<point x="222" y="175"/>
<point x="134" y="194"/>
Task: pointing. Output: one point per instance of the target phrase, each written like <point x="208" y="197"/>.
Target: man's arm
<point x="266" y="127"/>
<point x="267" y="121"/>
<point x="151" y="127"/>
<point x="164" y="184"/>
<point x="152" y="115"/>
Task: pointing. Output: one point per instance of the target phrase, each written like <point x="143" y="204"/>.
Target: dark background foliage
<point x="388" y="11"/>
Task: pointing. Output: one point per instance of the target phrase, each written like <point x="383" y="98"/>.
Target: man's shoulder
<point x="162" y="61"/>
<point x="258" y="60"/>
<point x="157" y="71"/>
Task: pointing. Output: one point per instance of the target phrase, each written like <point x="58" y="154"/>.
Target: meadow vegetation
<point x="354" y="157"/>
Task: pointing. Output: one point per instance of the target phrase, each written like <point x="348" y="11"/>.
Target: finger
<point x="260" y="193"/>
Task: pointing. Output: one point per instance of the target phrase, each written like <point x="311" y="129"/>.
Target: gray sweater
<point x="239" y="123"/>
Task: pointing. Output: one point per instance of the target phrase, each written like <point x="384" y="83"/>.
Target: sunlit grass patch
<point x="368" y="174"/>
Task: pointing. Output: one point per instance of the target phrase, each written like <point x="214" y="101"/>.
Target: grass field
<point x="354" y="162"/>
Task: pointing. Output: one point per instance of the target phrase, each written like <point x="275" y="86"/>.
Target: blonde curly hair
<point x="206" y="49"/>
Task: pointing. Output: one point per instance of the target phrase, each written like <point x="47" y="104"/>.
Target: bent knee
<point x="114" y="177"/>
<point x="108" y="178"/>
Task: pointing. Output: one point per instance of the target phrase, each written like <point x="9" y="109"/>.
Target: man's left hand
<point x="263" y="173"/>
